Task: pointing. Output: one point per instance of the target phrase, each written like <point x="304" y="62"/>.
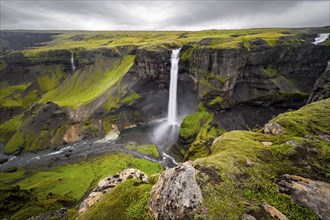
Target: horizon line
<point x="215" y="29"/>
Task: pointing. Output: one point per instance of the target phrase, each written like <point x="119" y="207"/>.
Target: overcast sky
<point x="161" y="15"/>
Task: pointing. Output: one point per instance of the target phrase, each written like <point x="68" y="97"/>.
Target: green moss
<point x="30" y="98"/>
<point x="86" y="85"/>
<point x="155" y="40"/>
<point x="243" y="187"/>
<point x="130" y="147"/>
<point x="113" y="102"/>
<point x="192" y="123"/>
<point x="185" y="55"/>
<point x="269" y="72"/>
<point x="10" y="126"/>
<point x="59" y="180"/>
<point x="216" y="101"/>
<point x="22" y="204"/>
<point x="28" y="212"/>
<point x="280" y="201"/>
<point x="131" y="99"/>
<point x="326" y="42"/>
<point x="201" y="146"/>
<point x="107" y="125"/>
<point x="91" y="128"/>
<point x="209" y="82"/>
<point x="11" y="95"/>
<point x="8" y="178"/>
<point x="128" y="200"/>
<point x="271" y="36"/>
<point x="15" y="143"/>
<point x="148" y="149"/>
<point x="37" y="141"/>
<point x="308" y="120"/>
<point x="51" y="78"/>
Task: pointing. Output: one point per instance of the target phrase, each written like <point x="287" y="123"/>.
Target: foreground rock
<point x="176" y="194"/>
<point x="109" y="183"/>
<point x="308" y="193"/>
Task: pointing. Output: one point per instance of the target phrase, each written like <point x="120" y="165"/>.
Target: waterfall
<point x="172" y="102"/>
<point x="72" y="63"/>
<point x="166" y="131"/>
<point x="321" y="38"/>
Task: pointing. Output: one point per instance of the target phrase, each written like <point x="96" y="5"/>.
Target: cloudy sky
<point x="161" y="15"/>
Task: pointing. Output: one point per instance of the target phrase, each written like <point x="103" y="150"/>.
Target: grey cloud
<point x="161" y="15"/>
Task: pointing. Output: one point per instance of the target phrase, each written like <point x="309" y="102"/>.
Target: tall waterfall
<point x="172" y="103"/>
<point x="73" y="66"/>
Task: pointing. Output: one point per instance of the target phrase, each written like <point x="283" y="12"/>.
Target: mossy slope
<point x="86" y="85"/>
<point x="129" y="200"/>
<point x="247" y="168"/>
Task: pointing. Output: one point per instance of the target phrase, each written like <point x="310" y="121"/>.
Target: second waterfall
<point x="172" y="103"/>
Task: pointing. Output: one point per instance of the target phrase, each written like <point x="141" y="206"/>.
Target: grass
<point x="243" y="188"/>
<point x="59" y="180"/>
<point x="71" y="182"/>
<point x="86" y="85"/>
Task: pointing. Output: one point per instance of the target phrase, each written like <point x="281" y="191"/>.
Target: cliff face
<point x="124" y="86"/>
<point x="261" y="78"/>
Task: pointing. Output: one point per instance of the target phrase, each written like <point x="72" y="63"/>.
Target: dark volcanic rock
<point x="321" y="89"/>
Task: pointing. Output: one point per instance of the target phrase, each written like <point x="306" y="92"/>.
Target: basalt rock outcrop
<point x="321" y="89"/>
<point x="255" y="83"/>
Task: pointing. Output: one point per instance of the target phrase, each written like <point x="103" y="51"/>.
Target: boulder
<point x="108" y="183"/>
<point x="176" y="193"/>
<point x="308" y="193"/>
<point x="273" y="129"/>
